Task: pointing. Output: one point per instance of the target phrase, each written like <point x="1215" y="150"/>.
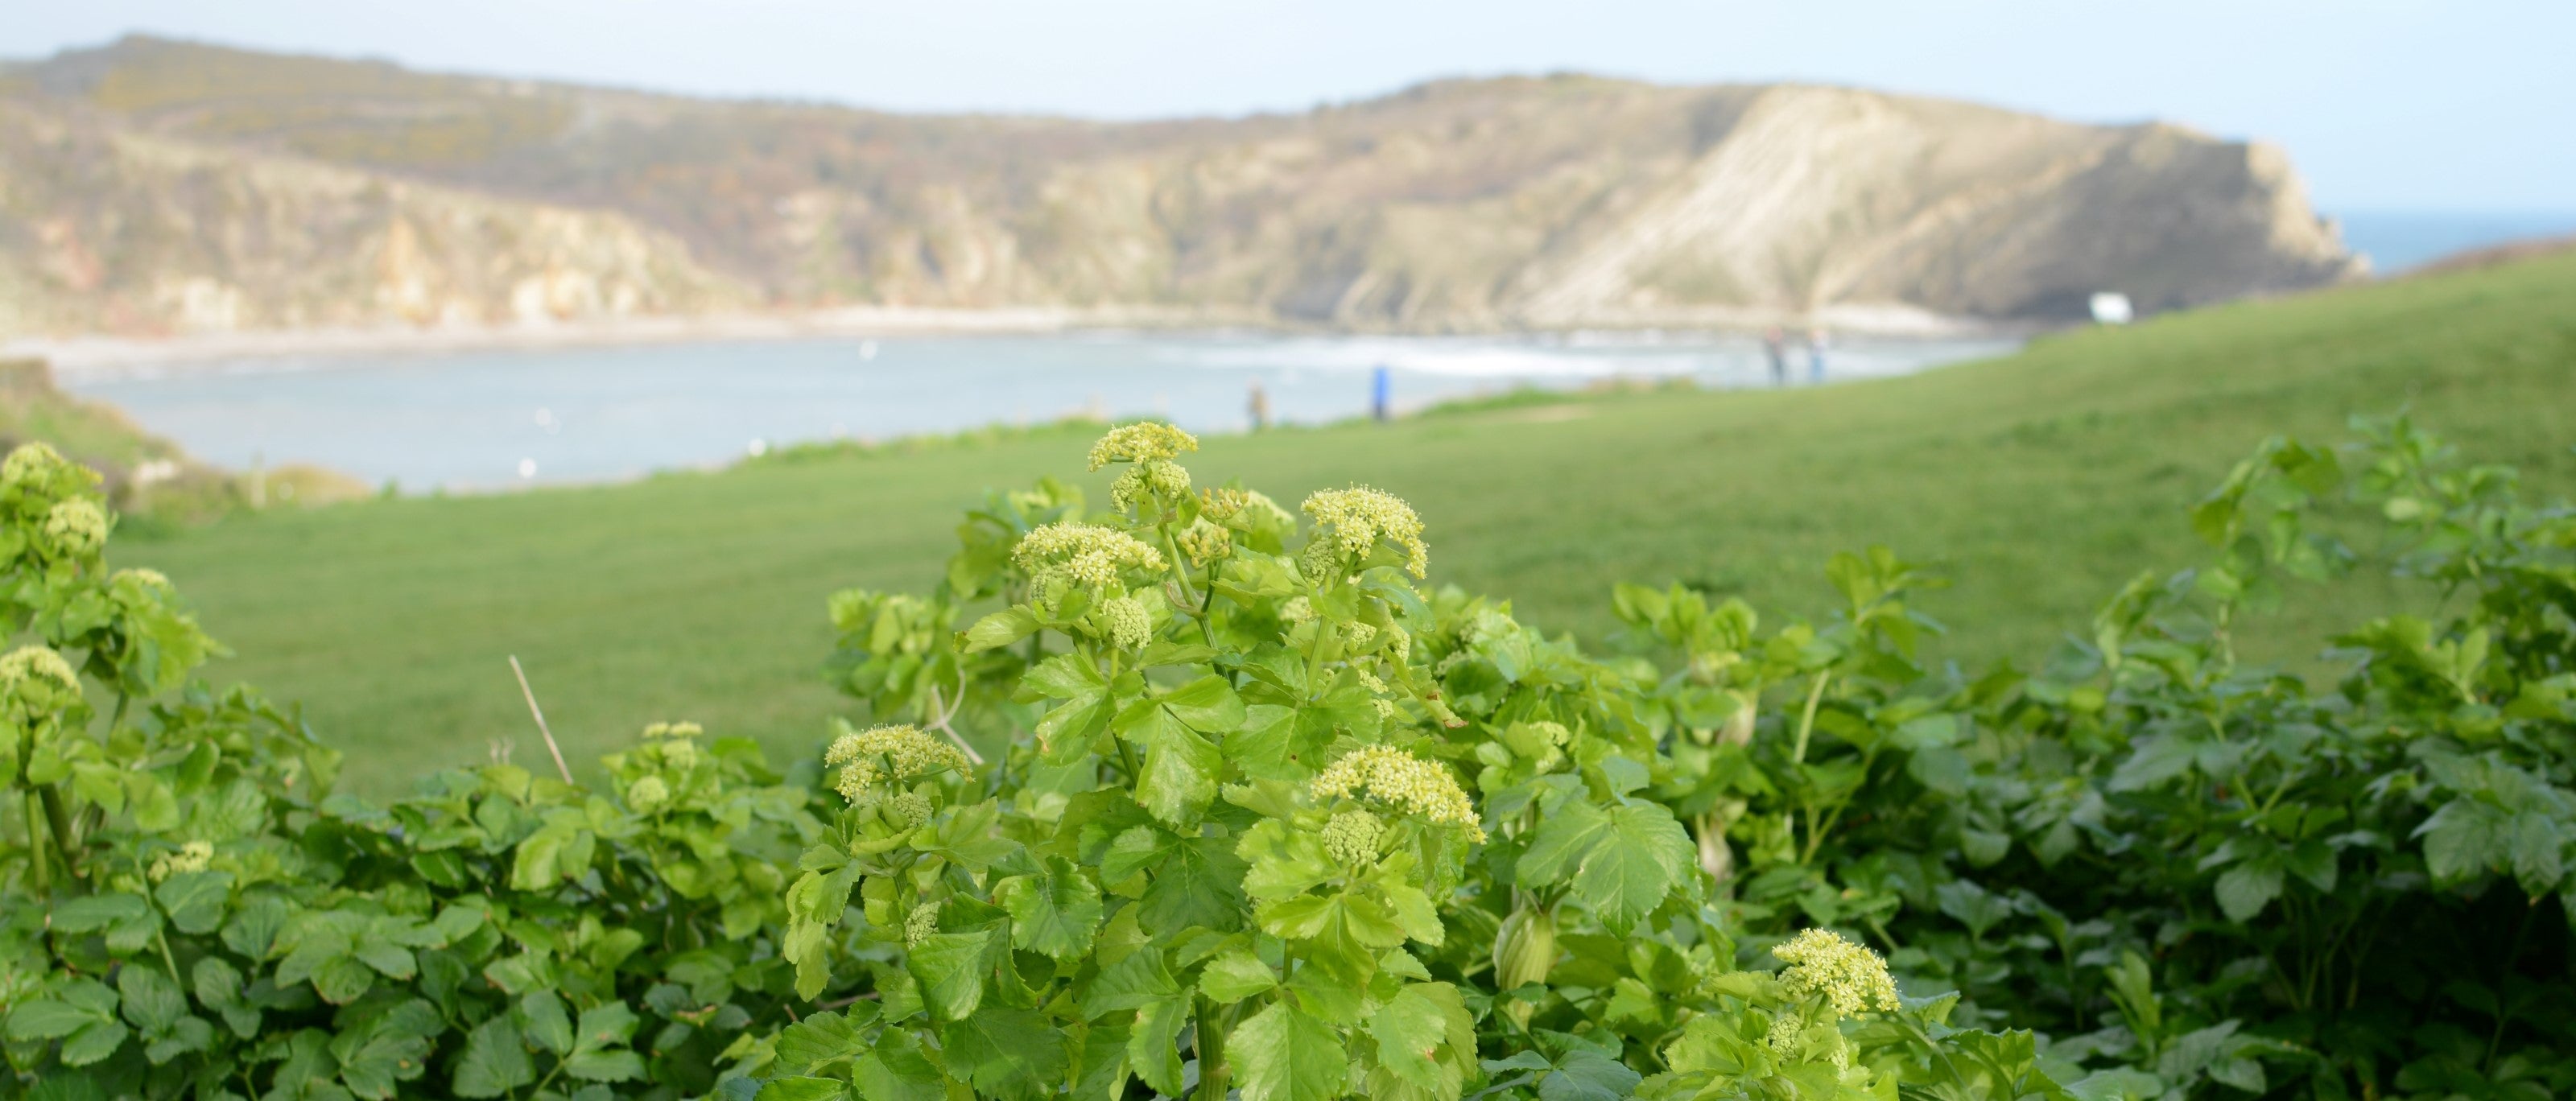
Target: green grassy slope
<point x="33" y="408"/>
<point x="2042" y="481"/>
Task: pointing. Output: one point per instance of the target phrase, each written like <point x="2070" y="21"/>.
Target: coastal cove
<point x="494" y="418"/>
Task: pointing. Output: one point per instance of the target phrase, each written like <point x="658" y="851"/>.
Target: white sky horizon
<point x="2383" y="105"/>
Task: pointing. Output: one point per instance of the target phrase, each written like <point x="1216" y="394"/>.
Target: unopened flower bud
<point x="1206" y="542"/>
<point x="1351" y="837"/>
<point x="1220" y="505"/>
<point x="648" y="795"/>
<point x="1130" y="627"/>
<point x="907" y="809"/>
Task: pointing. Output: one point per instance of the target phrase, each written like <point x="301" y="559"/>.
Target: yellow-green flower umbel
<point x="1351" y="522"/>
<point x="39" y="469"/>
<point x="1850" y="978"/>
<point x="191" y="857"/>
<point x="887" y="755"/>
<point x="1142" y="442"/>
<point x="1152" y="446"/>
<point x="38" y="680"/>
<point x="1401" y="781"/>
<point x="76" y="528"/>
<point x="1086" y="555"/>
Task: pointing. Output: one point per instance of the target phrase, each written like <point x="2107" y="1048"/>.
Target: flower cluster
<point x="1142" y="442"/>
<point x="39" y="679"/>
<point x="76" y="527"/>
<point x="151" y="579"/>
<point x="1084" y="554"/>
<point x="920" y="924"/>
<point x="1358" y="518"/>
<point x="34" y="466"/>
<point x="1130" y="626"/>
<point x="907" y="809"/>
<point x="1350" y="838"/>
<point x="191" y="857"/>
<point x="1850" y="978"/>
<point x="1151" y="446"/>
<point x="1403" y="781"/>
<point x="887" y="754"/>
<point x="675" y="743"/>
<point x="1221" y="504"/>
<point x="1205" y="543"/>
<point x="1161" y="478"/>
<point x="648" y="794"/>
<point x="37" y="663"/>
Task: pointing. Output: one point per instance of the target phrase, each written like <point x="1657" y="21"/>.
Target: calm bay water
<point x="492" y="419"/>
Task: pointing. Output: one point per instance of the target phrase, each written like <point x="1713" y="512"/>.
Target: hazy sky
<point x="2458" y="105"/>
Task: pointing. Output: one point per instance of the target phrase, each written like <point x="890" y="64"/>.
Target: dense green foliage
<point x="2037" y="482"/>
<point x="1261" y="812"/>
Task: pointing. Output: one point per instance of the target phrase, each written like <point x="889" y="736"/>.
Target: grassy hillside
<point x="2042" y="481"/>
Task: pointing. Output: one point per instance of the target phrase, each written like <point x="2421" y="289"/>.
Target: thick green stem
<point x="1807" y="719"/>
<point x="167" y="960"/>
<point x="61" y="827"/>
<point x="1214" y="1071"/>
<point x="39" y="868"/>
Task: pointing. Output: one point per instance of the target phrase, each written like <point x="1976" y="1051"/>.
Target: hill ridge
<point x="1468" y="203"/>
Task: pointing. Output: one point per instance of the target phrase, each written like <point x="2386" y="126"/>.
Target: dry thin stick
<point x="531" y="694"/>
<point x="946" y="713"/>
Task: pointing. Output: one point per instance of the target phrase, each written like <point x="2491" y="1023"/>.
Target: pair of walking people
<point x="1775" y="343"/>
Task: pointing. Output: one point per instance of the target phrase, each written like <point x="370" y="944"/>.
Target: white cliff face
<point x="145" y="235"/>
<point x="1564" y="201"/>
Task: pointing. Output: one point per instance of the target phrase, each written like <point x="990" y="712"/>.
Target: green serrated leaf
<point x="543" y="1022"/>
<point x="1152" y="1051"/>
<point x="195" y="900"/>
<point x="952" y="967"/>
<point x="1056" y="913"/>
<point x="1007" y="1054"/>
<point x="1235" y="975"/>
<point x="1282" y="1054"/>
<point x="495" y="1061"/>
<point x="2244" y="890"/>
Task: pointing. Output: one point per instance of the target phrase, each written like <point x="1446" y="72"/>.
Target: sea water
<point x="492" y="419"/>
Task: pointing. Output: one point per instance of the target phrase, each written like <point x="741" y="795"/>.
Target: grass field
<point x="2040" y="482"/>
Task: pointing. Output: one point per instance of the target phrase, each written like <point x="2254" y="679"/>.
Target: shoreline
<point x="101" y="355"/>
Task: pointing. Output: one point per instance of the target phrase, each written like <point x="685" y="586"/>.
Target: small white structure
<point x="2112" y="308"/>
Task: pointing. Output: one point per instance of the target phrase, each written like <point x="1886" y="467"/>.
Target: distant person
<point x="1260" y="407"/>
<point x="1816" y="355"/>
<point x="1381" y="394"/>
<point x="1775" y="344"/>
